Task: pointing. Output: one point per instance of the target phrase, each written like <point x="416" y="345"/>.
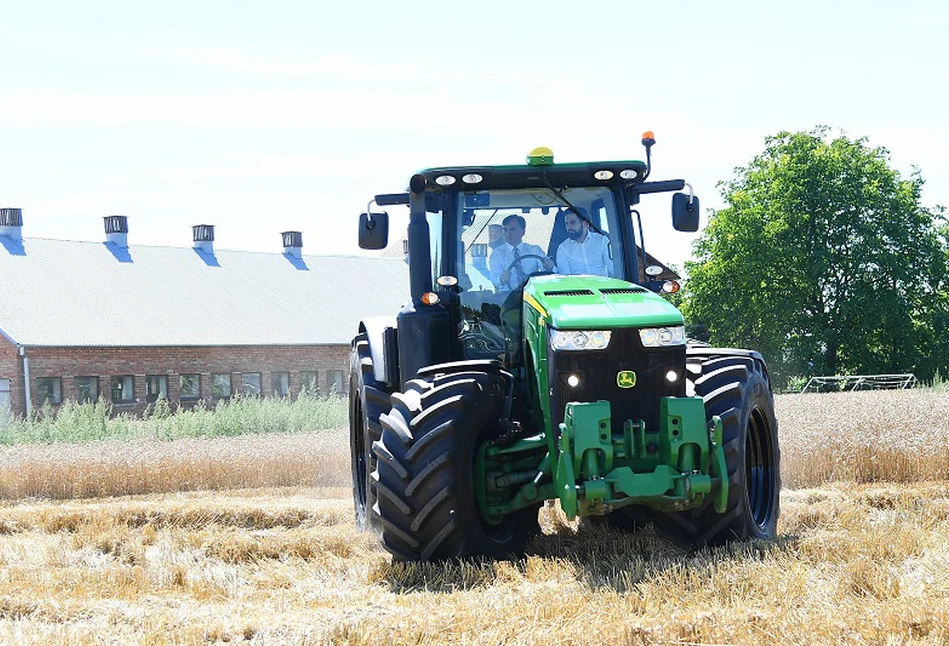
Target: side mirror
<point x="373" y="230"/>
<point x="685" y="212"/>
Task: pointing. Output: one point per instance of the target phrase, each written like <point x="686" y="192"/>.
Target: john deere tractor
<point x="502" y="384"/>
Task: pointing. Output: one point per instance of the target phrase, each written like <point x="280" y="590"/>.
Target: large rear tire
<point x="368" y="399"/>
<point x="737" y="389"/>
<point x="425" y="468"/>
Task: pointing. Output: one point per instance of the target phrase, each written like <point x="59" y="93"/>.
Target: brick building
<point x="83" y="320"/>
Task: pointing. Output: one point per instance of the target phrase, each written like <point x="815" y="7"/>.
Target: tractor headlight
<point x="580" y="339"/>
<point x="659" y="337"/>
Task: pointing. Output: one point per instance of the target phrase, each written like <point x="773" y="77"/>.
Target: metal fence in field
<point x="840" y="383"/>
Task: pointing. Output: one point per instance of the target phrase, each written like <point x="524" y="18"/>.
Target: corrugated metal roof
<point x="63" y="293"/>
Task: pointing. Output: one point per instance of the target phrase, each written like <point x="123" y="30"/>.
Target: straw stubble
<point x="861" y="556"/>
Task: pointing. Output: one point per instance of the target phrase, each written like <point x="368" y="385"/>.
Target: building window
<point x="4" y="397"/>
<point x="221" y="385"/>
<point x="308" y="382"/>
<point x="190" y="386"/>
<point x="122" y="389"/>
<point x="156" y="386"/>
<point x="250" y="384"/>
<point x="334" y="382"/>
<point x="280" y="384"/>
<point x="87" y="389"/>
<point x="50" y="390"/>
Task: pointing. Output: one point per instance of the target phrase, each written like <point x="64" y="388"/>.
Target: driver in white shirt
<point x="509" y="269"/>
<point x="584" y="251"/>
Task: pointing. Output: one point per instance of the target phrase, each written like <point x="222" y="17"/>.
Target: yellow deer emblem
<point x="626" y="379"/>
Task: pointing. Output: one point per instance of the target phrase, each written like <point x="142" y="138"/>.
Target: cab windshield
<point x="500" y="227"/>
<point x="509" y="235"/>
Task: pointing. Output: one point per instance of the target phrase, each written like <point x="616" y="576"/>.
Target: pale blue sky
<point x="262" y="117"/>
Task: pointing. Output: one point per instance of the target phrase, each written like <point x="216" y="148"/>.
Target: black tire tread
<point x="373" y="400"/>
<point x="424" y="467"/>
<point x="724" y="383"/>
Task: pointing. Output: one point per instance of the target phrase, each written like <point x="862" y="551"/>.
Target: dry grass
<point x="856" y="561"/>
<point x="864" y="564"/>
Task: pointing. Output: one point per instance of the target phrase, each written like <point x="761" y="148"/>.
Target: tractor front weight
<point x="596" y="471"/>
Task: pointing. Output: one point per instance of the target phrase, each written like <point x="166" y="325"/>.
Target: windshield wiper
<point x="565" y="202"/>
<point x="483" y="227"/>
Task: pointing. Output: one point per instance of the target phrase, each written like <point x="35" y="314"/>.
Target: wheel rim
<point x="359" y="453"/>
<point x="760" y="473"/>
<point x="503" y="531"/>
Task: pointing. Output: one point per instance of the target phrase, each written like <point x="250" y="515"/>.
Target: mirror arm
<point x="370" y="223"/>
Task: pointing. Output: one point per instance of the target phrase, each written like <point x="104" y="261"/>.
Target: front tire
<point x="737" y="389"/>
<point x="368" y="400"/>
<point x="425" y="468"/>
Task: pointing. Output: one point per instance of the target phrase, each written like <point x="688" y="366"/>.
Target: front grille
<point x="569" y="292"/>
<point x="598" y="370"/>
<point x="623" y="290"/>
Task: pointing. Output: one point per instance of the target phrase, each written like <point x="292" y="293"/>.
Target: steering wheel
<point x="539" y="257"/>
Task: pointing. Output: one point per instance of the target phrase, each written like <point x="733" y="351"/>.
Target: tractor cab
<point x="479" y="235"/>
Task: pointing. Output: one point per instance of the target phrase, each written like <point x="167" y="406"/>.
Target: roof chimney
<point x="11" y="223"/>
<point x="117" y="230"/>
<point x="293" y="243"/>
<point x="203" y="237"/>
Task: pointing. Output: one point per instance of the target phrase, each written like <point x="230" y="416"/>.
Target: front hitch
<point x="671" y="468"/>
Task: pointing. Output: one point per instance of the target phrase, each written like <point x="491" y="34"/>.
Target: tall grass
<point x="87" y="422"/>
<point x="940" y="383"/>
<point x="864" y="436"/>
<point x="123" y="468"/>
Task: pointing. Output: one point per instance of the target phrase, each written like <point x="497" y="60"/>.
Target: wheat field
<point x="273" y="557"/>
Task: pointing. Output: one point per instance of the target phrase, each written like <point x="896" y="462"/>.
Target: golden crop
<point x="862" y="556"/>
<point x="868" y="436"/>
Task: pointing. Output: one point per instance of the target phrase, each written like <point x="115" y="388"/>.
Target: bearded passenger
<point x="584" y="251"/>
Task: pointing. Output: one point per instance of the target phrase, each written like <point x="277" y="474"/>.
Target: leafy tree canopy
<point x="824" y="261"/>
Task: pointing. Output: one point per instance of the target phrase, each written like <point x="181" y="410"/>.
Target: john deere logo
<point x="625" y="378"/>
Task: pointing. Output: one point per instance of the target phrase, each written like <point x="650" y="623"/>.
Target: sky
<point x="290" y="115"/>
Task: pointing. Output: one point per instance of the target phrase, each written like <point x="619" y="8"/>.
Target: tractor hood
<point x="597" y="303"/>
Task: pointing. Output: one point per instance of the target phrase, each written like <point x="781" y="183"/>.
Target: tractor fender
<point x="375" y="329"/>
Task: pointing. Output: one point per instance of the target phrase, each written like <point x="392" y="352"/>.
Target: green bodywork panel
<point x="578" y="302"/>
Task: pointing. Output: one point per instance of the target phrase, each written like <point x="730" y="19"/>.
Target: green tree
<point x="823" y="260"/>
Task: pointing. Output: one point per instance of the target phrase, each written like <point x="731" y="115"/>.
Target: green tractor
<point x="536" y="361"/>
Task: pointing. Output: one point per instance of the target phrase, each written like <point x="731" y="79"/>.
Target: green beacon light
<point x="541" y="156"/>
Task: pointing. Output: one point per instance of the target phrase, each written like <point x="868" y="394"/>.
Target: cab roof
<point x="536" y="176"/>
